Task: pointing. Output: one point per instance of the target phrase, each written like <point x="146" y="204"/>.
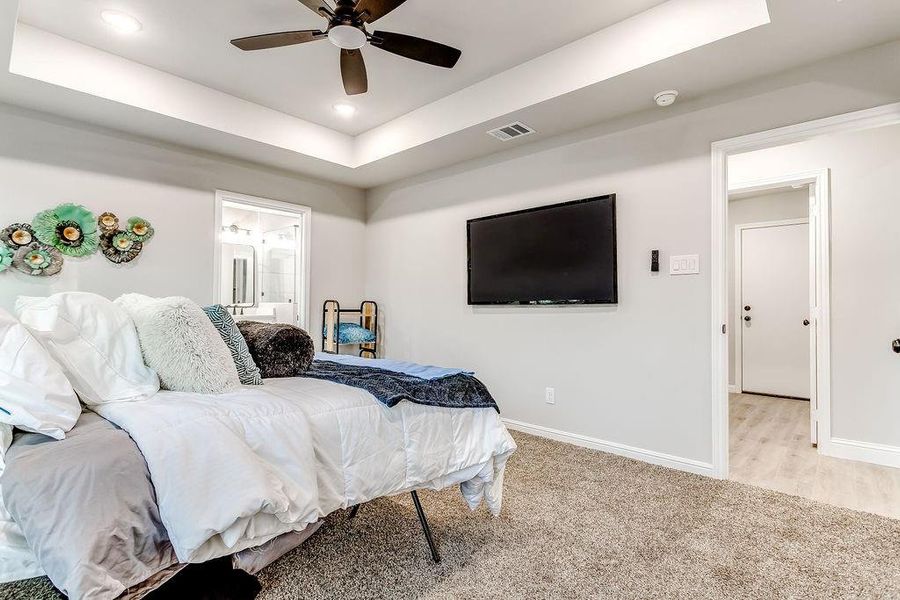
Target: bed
<point x="151" y="480"/>
<point x="235" y="471"/>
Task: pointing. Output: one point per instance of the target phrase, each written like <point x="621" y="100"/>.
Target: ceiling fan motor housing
<point x="345" y="14"/>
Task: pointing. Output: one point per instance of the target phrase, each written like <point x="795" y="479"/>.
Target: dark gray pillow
<point x="278" y="350"/>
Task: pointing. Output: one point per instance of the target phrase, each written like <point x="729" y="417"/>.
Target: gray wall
<point x="45" y="161"/>
<point x="793" y="204"/>
<point x="637" y="374"/>
<point x="865" y="277"/>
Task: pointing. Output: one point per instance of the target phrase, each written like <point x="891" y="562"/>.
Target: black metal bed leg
<point x="425" y="528"/>
<point x="353" y="512"/>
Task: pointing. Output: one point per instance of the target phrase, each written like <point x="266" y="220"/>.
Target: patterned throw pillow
<point x="246" y="367"/>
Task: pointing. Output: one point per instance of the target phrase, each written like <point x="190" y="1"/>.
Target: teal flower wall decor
<point x="38" y="248"/>
<point x="119" y="247"/>
<point x="38" y="259"/>
<point x="139" y="229"/>
<point x="17" y="235"/>
<point x="6" y="257"/>
<point x="69" y="228"/>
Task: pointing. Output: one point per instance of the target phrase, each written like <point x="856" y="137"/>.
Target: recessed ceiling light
<point x="345" y="110"/>
<point x="120" y="21"/>
<point x="666" y="98"/>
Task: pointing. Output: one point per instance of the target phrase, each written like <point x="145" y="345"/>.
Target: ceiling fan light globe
<point x="347" y="37"/>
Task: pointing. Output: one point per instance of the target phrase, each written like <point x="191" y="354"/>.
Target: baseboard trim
<point x="734" y="389"/>
<point x="879" y="454"/>
<point x="650" y="456"/>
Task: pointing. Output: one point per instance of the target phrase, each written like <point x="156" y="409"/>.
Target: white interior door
<point x="775" y="320"/>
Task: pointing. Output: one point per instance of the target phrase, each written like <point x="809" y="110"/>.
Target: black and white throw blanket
<point x="391" y="387"/>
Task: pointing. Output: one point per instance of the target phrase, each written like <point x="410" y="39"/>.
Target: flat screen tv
<point x="559" y="254"/>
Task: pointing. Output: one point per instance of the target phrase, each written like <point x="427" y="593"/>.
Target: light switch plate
<point x="687" y="264"/>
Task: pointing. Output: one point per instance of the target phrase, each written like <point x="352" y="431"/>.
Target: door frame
<point x="738" y="331"/>
<point x="303" y="268"/>
<point x="720" y="151"/>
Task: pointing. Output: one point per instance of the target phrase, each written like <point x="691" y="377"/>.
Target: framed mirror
<point x="239" y="276"/>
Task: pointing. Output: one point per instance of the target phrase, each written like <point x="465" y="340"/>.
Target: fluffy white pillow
<point x="181" y="344"/>
<point x="95" y="343"/>
<point x="34" y="393"/>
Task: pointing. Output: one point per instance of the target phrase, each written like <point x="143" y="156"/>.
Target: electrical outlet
<point x="550" y="395"/>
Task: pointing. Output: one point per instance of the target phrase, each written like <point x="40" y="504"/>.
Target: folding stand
<point x="331" y="324"/>
<point x="424" y="521"/>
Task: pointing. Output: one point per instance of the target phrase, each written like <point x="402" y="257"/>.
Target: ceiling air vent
<point x="511" y="131"/>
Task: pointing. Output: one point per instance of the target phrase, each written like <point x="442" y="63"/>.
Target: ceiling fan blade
<point x="315" y="5"/>
<point x="375" y="9"/>
<point x="415" y="48"/>
<point x="277" y="40"/>
<point x="353" y="71"/>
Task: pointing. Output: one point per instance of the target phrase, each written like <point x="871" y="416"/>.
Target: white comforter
<point x="236" y="470"/>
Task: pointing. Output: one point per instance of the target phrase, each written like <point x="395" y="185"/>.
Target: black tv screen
<point x="560" y="254"/>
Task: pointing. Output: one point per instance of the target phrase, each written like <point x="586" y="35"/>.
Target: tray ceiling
<point x="189" y="38"/>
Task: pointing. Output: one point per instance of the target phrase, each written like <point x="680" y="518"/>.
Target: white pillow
<point x="95" y="343"/>
<point x="34" y="393"/>
<point x="182" y="345"/>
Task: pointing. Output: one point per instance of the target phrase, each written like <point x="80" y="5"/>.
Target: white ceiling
<point x="189" y="38"/>
<point x="696" y="47"/>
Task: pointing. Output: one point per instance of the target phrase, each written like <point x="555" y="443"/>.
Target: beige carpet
<point x="583" y="524"/>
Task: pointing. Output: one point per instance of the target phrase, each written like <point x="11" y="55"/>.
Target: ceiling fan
<point x="347" y="30"/>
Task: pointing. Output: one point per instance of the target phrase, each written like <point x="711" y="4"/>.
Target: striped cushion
<point x="247" y="370"/>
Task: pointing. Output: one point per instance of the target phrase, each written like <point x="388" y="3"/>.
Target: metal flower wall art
<point x="119" y="247"/>
<point x="38" y="259"/>
<point x="70" y="230"/>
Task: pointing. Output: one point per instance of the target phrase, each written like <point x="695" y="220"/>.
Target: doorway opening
<point x="780" y="411"/>
<point x="777" y="267"/>
<point x="262" y="259"/>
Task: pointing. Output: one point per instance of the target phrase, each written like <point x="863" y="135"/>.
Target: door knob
<point x="747" y="307"/>
<point x="806" y="322"/>
<point x="896" y="346"/>
<point x="747" y="318"/>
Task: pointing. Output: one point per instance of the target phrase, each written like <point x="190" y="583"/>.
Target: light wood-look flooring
<point x="770" y="448"/>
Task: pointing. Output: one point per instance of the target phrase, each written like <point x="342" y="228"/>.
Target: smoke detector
<point x="666" y="98"/>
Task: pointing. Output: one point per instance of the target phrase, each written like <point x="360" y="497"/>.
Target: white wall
<point x="45" y="161"/>
<point x="637" y="374"/>
<point x="865" y="277"/>
<point x="792" y="204"/>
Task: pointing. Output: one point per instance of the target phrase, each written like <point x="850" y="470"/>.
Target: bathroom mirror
<point x="240" y="280"/>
